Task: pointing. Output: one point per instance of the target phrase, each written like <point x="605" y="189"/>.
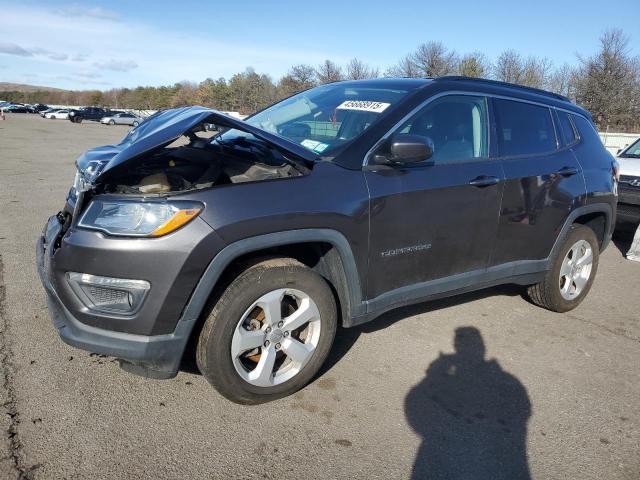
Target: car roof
<point x="392" y="83"/>
<point x="480" y="85"/>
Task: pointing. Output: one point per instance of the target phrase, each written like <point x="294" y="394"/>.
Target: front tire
<point x="572" y="273"/>
<point x="269" y="332"/>
<point x="112" y="122"/>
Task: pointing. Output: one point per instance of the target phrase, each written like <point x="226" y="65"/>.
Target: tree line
<point x="607" y="83"/>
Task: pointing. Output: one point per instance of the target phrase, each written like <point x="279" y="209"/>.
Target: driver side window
<point x="456" y="124"/>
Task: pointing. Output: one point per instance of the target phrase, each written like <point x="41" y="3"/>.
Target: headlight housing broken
<point x="131" y="218"/>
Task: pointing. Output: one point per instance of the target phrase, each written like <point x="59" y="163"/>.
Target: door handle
<point x="567" y="171"/>
<point x="484" y="181"/>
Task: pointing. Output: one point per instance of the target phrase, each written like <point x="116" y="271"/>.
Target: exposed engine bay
<point x="203" y="163"/>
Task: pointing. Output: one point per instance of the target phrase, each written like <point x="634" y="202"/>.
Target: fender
<point x="578" y="212"/>
<point x="234" y="250"/>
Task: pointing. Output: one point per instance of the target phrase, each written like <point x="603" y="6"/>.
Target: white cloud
<point x="49" y="54"/>
<point x="9" y="48"/>
<point x="88" y="75"/>
<point x="79" y="57"/>
<point x="131" y="53"/>
<point x="90" y="12"/>
<point x="117" y="65"/>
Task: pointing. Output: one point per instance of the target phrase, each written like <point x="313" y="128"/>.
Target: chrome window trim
<point x="426" y="102"/>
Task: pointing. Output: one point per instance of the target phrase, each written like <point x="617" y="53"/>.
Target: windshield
<point x="633" y="151"/>
<point x="323" y="119"/>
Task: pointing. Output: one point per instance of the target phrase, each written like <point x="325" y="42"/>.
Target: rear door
<point x="543" y="180"/>
<point x="438" y="218"/>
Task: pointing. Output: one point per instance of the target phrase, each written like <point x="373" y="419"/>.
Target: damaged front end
<point x="182" y="150"/>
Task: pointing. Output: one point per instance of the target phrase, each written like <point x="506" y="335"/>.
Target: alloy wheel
<point x="276" y="337"/>
<point x="576" y="270"/>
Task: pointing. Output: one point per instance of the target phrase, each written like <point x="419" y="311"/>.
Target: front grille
<point x="627" y="210"/>
<point x="630" y="182"/>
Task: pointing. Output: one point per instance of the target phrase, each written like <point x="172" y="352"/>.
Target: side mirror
<point x="406" y="148"/>
<point x="619" y="150"/>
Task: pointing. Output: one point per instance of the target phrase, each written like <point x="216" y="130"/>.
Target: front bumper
<point x="156" y="356"/>
<point x="628" y="204"/>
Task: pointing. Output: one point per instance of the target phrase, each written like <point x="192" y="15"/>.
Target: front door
<point x="438" y="218"/>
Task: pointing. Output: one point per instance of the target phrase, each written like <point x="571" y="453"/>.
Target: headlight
<point x="136" y="218"/>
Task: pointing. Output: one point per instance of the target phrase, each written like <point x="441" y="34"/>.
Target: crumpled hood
<point x="162" y="128"/>
<point x="629" y="166"/>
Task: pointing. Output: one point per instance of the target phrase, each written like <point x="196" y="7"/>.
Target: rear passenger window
<point x="523" y="128"/>
<point x="566" y="127"/>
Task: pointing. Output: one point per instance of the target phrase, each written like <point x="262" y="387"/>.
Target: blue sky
<point x="117" y="43"/>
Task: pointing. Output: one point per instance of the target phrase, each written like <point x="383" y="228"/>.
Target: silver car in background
<point x="122" y="119"/>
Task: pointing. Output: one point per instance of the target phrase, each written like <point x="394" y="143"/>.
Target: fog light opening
<point x="107" y="294"/>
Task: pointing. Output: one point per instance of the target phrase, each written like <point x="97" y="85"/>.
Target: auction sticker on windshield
<point x="314" y="145"/>
<point x="363" y="105"/>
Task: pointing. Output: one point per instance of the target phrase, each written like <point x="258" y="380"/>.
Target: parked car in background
<point x="40" y="107"/>
<point x="87" y="113"/>
<point x="629" y="185"/>
<point x="62" y="114"/>
<point x="330" y="207"/>
<point x="123" y="118"/>
<point x="19" y="108"/>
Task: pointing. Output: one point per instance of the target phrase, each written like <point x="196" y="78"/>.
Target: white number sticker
<point x="363" y="105"/>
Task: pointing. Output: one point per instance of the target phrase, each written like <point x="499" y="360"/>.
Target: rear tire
<point x="268" y="333"/>
<point x="573" y="270"/>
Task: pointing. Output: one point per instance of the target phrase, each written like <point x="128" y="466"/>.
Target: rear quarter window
<point x="566" y="129"/>
<point x="523" y="128"/>
<point x="587" y="131"/>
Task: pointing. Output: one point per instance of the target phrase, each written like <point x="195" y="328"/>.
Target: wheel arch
<point x="326" y="251"/>
<point x="597" y="216"/>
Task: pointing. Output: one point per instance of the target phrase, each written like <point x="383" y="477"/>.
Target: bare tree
<point x="433" y="59"/>
<point x="358" y="70"/>
<point x="508" y="67"/>
<point x="328" y="72"/>
<point x="536" y="72"/>
<point x="609" y="82"/>
<point x="563" y="81"/>
<point x="474" y="64"/>
<point x="299" y="78"/>
<point x="185" y="92"/>
<point x="404" y="68"/>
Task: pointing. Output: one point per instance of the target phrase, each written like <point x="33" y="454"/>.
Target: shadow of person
<point x="472" y="416"/>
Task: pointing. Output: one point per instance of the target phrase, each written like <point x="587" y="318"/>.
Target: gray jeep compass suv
<point x="253" y="240"/>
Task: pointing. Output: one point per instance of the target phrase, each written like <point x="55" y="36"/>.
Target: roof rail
<point x="505" y="84"/>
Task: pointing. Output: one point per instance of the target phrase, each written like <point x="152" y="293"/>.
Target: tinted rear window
<point x="566" y="128"/>
<point x="523" y="128"/>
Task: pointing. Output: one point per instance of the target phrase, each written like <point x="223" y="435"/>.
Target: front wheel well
<point x="596" y="221"/>
<point x="322" y="257"/>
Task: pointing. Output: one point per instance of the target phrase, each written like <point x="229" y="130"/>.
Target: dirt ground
<point x="525" y="393"/>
